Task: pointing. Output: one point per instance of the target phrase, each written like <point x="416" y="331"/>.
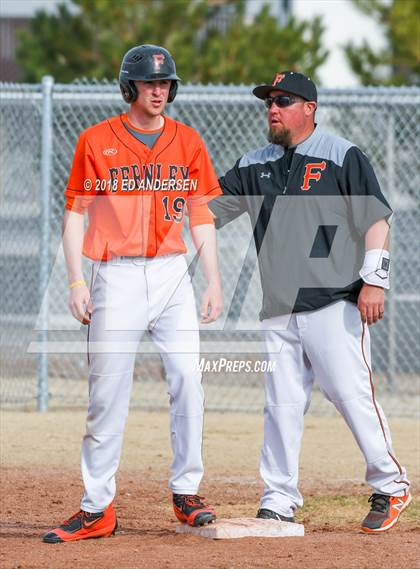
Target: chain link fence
<point x="39" y="128"/>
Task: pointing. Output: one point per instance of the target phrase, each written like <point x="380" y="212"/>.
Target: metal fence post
<point x="392" y="309"/>
<point x="44" y="252"/>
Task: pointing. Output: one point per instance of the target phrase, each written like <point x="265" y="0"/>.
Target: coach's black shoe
<point x="266" y="514"/>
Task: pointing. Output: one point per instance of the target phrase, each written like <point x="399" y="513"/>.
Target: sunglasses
<point x="281" y="101"/>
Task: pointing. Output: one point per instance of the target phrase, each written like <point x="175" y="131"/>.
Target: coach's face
<point x="286" y="123"/>
<point x="152" y="96"/>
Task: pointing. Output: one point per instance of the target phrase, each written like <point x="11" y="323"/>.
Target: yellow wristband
<point x="77" y="283"/>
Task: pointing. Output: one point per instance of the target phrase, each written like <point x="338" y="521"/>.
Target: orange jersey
<point x="135" y="196"/>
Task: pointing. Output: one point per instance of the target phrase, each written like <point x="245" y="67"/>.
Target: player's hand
<point x="371" y="303"/>
<point x="211" y="304"/>
<point x="80" y="304"/>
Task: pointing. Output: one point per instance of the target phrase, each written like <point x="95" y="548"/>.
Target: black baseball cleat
<point x="192" y="510"/>
<point x="266" y="514"/>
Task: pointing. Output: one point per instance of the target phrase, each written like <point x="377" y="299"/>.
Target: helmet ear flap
<point x="129" y="91"/>
<point x="172" y="91"/>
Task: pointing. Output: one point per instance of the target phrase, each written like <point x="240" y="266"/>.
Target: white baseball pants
<point x="331" y="345"/>
<point x="131" y="295"/>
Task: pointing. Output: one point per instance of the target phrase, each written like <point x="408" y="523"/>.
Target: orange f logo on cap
<point x="279" y="77"/>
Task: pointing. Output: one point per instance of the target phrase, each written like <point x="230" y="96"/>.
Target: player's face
<point x="153" y="96"/>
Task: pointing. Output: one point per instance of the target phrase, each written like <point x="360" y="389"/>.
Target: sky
<point x="22" y="8"/>
<point x="342" y="20"/>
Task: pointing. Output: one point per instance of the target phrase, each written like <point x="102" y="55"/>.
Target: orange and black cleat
<point x="192" y="510"/>
<point x="384" y="512"/>
<point x="84" y="525"/>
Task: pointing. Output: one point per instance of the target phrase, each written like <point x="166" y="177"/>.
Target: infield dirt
<point x="41" y="486"/>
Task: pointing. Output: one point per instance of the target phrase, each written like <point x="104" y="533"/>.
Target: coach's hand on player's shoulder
<point x="212" y="303"/>
<point x="80" y="304"/>
<point x="371" y="303"/>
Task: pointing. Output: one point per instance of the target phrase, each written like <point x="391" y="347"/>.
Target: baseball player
<point x="321" y="233"/>
<point x="136" y="174"/>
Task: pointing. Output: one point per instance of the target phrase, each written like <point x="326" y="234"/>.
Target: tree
<point x="88" y="38"/>
<point x="252" y="52"/>
<point x="399" y="62"/>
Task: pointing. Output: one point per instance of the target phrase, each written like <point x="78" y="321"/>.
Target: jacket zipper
<point x="288" y="171"/>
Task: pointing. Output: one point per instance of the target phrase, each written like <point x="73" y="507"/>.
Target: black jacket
<point x="310" y="207"/>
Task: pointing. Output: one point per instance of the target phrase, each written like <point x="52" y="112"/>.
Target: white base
<point x="244" y="527"/>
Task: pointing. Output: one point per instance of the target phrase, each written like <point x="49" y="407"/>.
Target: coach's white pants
<point x="330" y="345"/>
<point x="129" y="296"/>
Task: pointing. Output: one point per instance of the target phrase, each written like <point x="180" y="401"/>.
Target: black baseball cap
<point x="291" y="82"/>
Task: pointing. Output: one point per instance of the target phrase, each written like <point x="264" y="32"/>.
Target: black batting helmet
<point x="147" y="63"/>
